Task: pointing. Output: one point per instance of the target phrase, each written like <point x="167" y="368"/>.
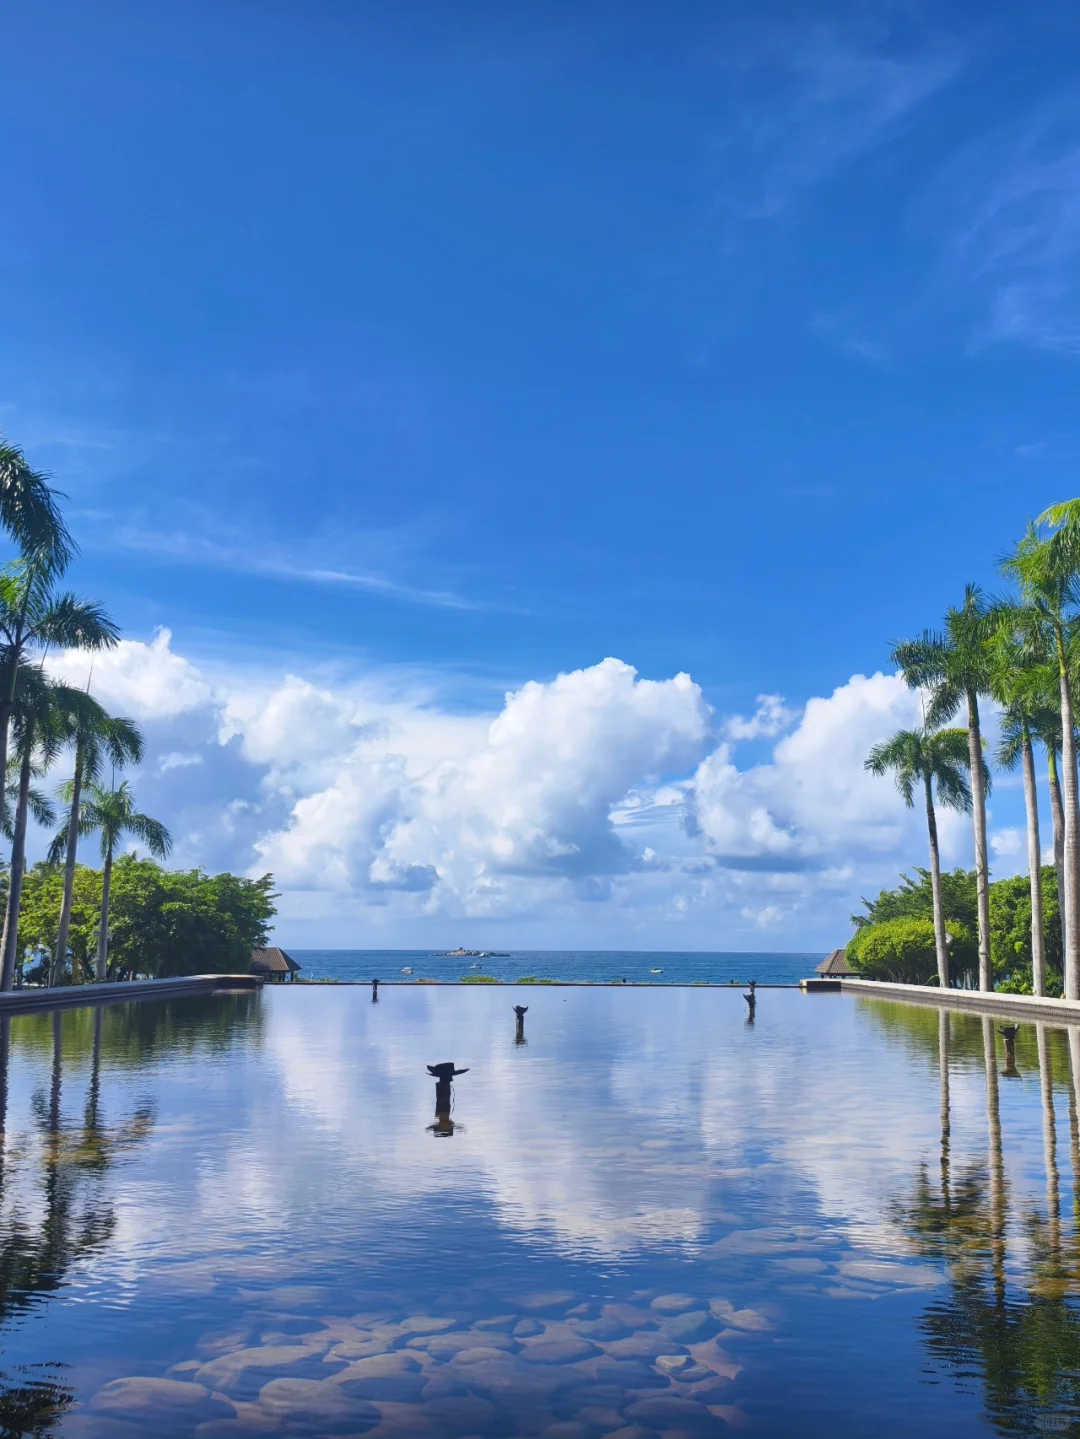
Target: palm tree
<point x="112" y="814"/>
<point x="30" y="514"/>
<point x="934" y="759"/>
<point x="1046" y="728"/>
<point x="37" y="744"/>
<point x="1047" y="571"/>
<point x="955" y="667"/>
<point x="33" y="618"/>
<point x="98" y="738"/>
<point x="1019" y="684"/>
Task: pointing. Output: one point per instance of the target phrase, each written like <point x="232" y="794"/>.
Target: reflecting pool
<point x="633" y="1214"/>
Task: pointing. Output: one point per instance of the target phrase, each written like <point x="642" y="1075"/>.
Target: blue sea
<point x="593" y="966"/>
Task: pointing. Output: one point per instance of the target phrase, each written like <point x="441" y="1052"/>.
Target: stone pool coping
<point x="72" y="996"/>
<point x="1016" y="1006"/>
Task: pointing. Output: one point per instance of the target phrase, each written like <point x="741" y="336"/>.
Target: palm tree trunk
<point x="7" y="701"/>
<point x="1031" y="801"/>
<point x="10" y="944"/>
<point x="978" y="810"/>
<point x="943" y="1104"/>
<point x="103" y="926"/>
<point x="1058" y="814"/>
<point x="1053" y="1182"/>
<point x="996" y="1166"/>
<point x="1071" y="948"/>
<point x="64" y="927"/>
<point x="941" y="939"/>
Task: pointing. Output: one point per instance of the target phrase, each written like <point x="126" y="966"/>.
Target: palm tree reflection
<point x="1021" y="1338"/>
<point x="41" y="1241"/>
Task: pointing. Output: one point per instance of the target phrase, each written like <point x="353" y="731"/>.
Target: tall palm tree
<point x="37" y="744"/>
<point x="112" y="814"/>
<point x="955" y="667"/>
<point x="99" y="738"/>
<point x="1019" y="684"/>
<point x="1046" y="728"/>
<point x="932" y="759"/>
<point x="1047" y="572"/>
<point x="34" y="618"/>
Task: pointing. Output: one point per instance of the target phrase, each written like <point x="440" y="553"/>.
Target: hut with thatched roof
<point x="274" y="965"/>
<point x="835" y="966"/>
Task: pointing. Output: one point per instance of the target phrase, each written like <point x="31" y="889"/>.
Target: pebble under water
<point x="240" y="1215"/>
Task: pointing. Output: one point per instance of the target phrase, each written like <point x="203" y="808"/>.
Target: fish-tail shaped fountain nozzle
<point x="444" y="1075"/>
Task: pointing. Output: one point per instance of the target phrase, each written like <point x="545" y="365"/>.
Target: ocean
<point x="597" y="966"/>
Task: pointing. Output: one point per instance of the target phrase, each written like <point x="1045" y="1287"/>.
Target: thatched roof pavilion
<point x="273" y="964"/>
<point x="836" y="966"/>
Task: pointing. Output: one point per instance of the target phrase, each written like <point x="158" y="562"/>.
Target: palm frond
<point x="30" y="512"/>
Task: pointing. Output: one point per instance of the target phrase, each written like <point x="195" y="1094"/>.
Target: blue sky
<point x="420" y="353"/>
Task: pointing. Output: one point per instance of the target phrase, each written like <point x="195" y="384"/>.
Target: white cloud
<point x="144" y="681"/>
<point x="1011" y="208"/>
<point x="1007" y="842"/>
<point x="596" y="803"/>
<point x="809" y="96"/>
<point x="176" y="759"/>
<point x="532" y="801"/>
<point x="814" y="800"/>
<point x="770" y="717"/>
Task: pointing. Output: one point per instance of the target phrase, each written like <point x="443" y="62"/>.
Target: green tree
<point x="930" y="761"/>
<point x="901" y="950"/>
<point x="1012" y="933"/>
<point x="1046" y="569"/>
<point x="162" y="922"/>
<point x="111" y="813"/>
<point x="99" y="739"/>
<point x="36" y="744"/>
<point x="30" y="514"/>
<point x="171" y="922"/>
<point x="913" y="899"/>
<point x="1019" y="676"/>
<point x="955" y="667"/>
<point x="42" y="896"/>
<point x="35" y="618"/>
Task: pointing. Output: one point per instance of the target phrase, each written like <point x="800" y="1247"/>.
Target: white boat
<point x="656" y="971"/>
<point x="406" y="970"/>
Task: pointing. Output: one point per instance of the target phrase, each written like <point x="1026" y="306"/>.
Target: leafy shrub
<point x="479" y="979"/>
<point x="902" y="950"/>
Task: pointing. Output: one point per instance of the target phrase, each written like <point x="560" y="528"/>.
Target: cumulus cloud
<point x="813" y="800"/>
<point x="598" y="797"/>
<point x="770" y="718"/>
<point x="533" y="800"/>
<point x="145" y="681"/>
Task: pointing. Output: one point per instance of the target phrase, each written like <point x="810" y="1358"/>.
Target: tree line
<point x="42" y="720"/>
<point x="1021" y="650"/>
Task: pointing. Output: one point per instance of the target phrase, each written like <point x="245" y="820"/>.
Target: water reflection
<point x="1015" y="1327"/>
<point x="656" y="1221"/>
<point x="56" y="1210"/>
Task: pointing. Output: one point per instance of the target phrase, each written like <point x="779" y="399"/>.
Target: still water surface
<point x="239" y="1216"/>
<point x="584" y="966"/>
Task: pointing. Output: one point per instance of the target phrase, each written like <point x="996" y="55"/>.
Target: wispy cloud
<point x="840" y="334"/>
<point x="183" y="548"/>
<point x="807" y="97"/>
<point x="1012" y="203"/>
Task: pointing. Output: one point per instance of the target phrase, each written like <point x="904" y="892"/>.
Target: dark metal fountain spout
<point x="1008" y="1033"/>
<point x="444" y="1075"/>
<point x="521" y="1010"/>
<point x="751" y="1001"/>
<point x="374" y="991"/>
